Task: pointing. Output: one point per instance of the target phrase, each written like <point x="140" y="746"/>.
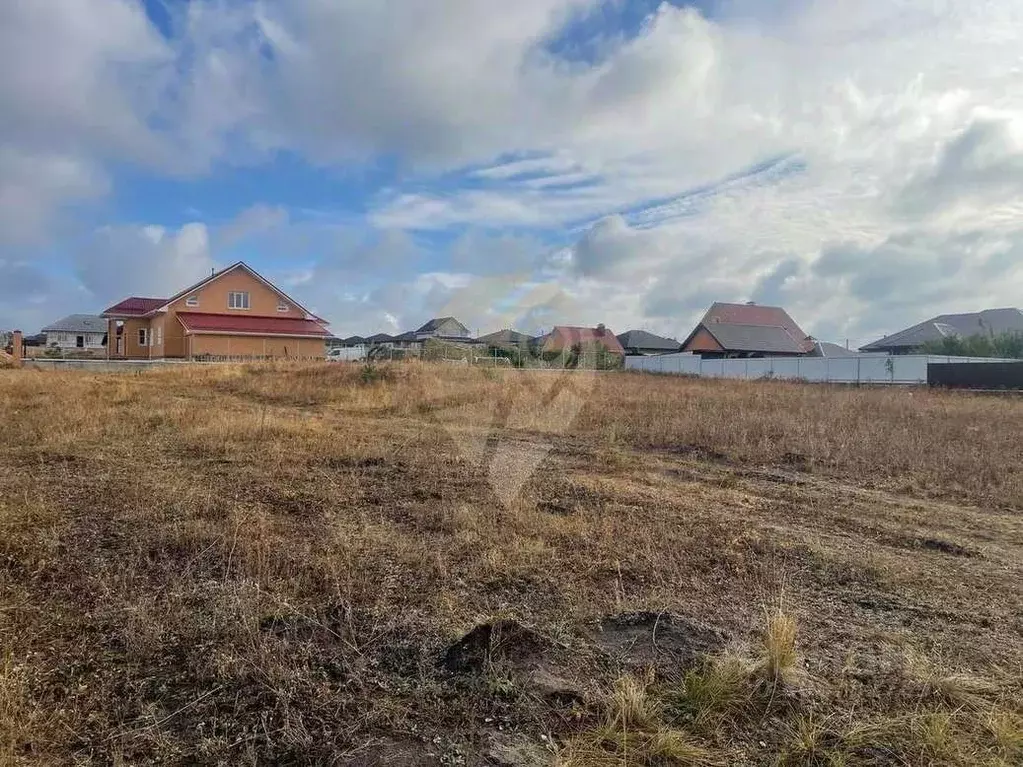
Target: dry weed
<point x="265" y="563"/>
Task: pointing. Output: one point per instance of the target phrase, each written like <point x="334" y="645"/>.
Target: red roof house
<point x="747" y="330"/>
<point x="566" y="338"/>
<point x="234" y="313"/>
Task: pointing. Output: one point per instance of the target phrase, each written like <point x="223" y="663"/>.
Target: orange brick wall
<point x="256" y="346"/>
<point x="132" y="350"/>
<point x="703" y="341"/>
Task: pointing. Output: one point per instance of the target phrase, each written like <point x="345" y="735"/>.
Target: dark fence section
<point x="976" y="375"/>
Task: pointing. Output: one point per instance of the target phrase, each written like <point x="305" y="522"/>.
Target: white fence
<point x="864" y="369"/>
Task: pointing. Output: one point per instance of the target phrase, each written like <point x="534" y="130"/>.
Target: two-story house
<point x="233" y="313"/>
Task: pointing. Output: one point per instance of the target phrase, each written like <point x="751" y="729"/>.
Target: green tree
<point x="1008" y="345"/>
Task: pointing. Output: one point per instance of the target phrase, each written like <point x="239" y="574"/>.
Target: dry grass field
<point x="414" y="564"/>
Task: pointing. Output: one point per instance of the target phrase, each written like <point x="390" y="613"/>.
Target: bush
<point x="372" y="374"/>
<point x="1008" y="345"/>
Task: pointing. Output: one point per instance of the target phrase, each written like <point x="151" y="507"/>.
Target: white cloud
<point x="32" y="186"/>
<point x="151" y="261"/>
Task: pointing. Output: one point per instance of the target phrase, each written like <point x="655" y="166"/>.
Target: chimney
<point x="601" y="329"/>
<point x="17" y="348"/>
<point x="751" y="303"/>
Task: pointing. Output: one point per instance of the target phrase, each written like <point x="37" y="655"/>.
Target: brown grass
<point x="272" y="564"/>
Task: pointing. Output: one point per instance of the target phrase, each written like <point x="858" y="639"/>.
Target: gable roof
<point x="828" y="349"/>
<point x="141" y="307"/>
<point x="245" y="324"/>
<point x="755" y="338"/>
<point x="985" y="322"/>
<point x="408" y="335"/>
<point x="379" y="338"/>
<point x="566" y="336"/>
<point x="506" y="337"/>
<point x="78" y="323"/>
<point x="753" y="328"/>
<point x="134" y="307"/>
<point x="641" y="339"/>
<point x="353" y="340"/>
<point x="435" y="324"/>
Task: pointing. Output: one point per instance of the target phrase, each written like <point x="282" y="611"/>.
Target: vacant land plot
<point x="429" y="565"/>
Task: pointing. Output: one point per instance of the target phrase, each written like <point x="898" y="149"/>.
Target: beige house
<point x="233" y="313"/>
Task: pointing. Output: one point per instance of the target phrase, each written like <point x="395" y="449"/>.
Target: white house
<point x="77" y="331"/>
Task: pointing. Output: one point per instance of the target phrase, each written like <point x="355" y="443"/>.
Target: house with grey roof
<point x="641" y="342"/>
<point x="380" y="339"/>
<point x="747" y="330"/>
<point x="988" y="322"/>
<point x="77" y="331"/>
<point x="507" y="339"/>
<point x="443" y="328"/>
<point x="832" y="351"/>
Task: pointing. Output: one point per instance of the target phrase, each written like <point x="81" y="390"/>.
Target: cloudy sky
<point x="517" y="163"/>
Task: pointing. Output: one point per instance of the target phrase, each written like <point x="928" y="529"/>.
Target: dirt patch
<point x="514" y="750"/>
<point x="393" y="753"/>
<point x="656" y="639"/>
<point x="506" y="647"/>
<point x="945" y="547"/>
<point x="504" y="641"/>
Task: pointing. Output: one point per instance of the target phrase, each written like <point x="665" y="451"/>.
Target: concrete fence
<point x="865" y="369"/>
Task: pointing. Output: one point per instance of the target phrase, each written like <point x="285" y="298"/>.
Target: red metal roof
<point x="135" y="307"/>
<point x="565" y="337"/>
<point x="198" y="322"/>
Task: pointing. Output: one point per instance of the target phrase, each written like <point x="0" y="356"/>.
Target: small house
<point x="77" y="331"/>
<point x="640" y="342"/>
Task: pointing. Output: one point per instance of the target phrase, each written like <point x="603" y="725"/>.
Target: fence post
<point x="17" y="348"/>
<point x="858" y="362"/>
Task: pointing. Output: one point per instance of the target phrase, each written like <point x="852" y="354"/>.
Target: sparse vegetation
<point x="432" y="564"/>
<point x="1005" y="345"/>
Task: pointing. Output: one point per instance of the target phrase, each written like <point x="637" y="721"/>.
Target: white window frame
<point x="157" y="336"/>
<point x="238" y="300"/>
<point x="192" y="301"/>
<point x="283" y="307"/>
<point x="143" y="337"/>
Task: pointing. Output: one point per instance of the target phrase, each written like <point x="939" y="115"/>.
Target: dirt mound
<point x="527" y="656"/>
<point x="503" y="641"/>
<point x="649" y="638"/>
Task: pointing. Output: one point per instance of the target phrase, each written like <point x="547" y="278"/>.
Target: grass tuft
<point x="779" y="660"/>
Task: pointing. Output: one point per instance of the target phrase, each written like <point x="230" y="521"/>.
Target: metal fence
<point x="865" y="369"/>
<point x="970" y="375"/>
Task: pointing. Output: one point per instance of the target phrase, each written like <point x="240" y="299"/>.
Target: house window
<point x="142" y="337"/>
<point x="157" y="336"/>
<point x="282" y="307"/>
<point x="238" y="300"/>
<point x="192" y="301"/>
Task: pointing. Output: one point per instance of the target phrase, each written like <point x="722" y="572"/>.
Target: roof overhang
<point x="322" y="337"/>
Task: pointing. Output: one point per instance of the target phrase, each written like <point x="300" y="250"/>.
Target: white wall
<point x="67" y="340"/>
<point x="908" y="369"/>
<point x="347" y="353"/>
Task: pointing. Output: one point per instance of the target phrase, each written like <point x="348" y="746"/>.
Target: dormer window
<point x="237" y="300"/>
<point x="192" y="301"/>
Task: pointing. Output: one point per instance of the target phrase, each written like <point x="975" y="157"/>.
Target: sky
<point x="520" y="164"/>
